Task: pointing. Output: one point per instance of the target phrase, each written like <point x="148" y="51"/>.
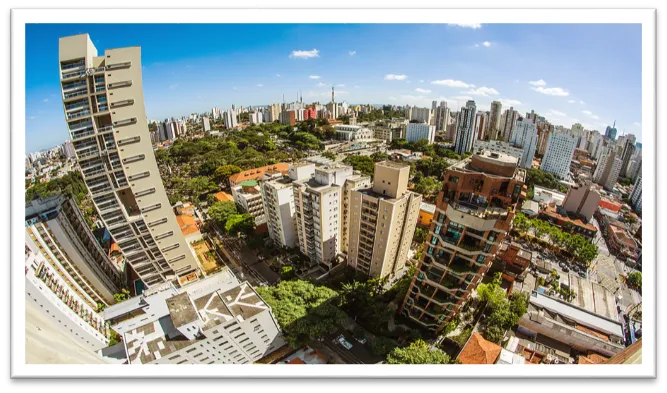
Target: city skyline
<point x="560" y="80"/>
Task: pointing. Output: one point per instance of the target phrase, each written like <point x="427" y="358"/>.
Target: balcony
<point x="76" y="115"/>
<point x="451" y="282"/>
<point x="461" y="266"/>
<point x="74" y="74"/>
<point x="71" y="87"/>
<point x="442" y="297"/>
<point x="71" y="66"/>
<point x="75" y="94"/>
<point x="76" y="136"/>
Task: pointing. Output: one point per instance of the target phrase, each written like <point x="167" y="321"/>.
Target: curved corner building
<point x="104" y="109"/>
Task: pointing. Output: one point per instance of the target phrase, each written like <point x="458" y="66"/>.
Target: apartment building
<point x="418" y="131"/>
<point x="507" y="122"/>
<point x="104" y="110"/>
<point x="636" y="194"/>
<point x="558" y="154"/>
<point x="352" y="183"/>
<point x="582" y="199"/>
<point x="57" y="228"/>
<point x="465" y="128"/>
<point x="61" y="299"/>
<point x="206" y="124"/>
<point x="474" y="214"/>
<point x="382" y="221"/>
<point x="524" y="135"/>
<point x="229" y="119"/>
<point x="319" y="213"/>
<point x="217" y="320"/>
<point x="422" y="115"/>
<point x="496" y="146"/>
<point x="278" y="200"/>
<point x="608" y="168"/>
<point x="247" y="195"/>
<point x="441" y="117"/>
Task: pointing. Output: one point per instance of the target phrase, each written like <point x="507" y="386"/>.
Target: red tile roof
<point x="223" y="196"/>
<point x="257" y="173"/>
<point x="296" y="361"/>
<point x="479" y="351"/>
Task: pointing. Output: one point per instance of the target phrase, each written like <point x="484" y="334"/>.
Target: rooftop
<point x="479" y="351"/>
<point x="249" y="183"/>
<point x="187" y="224"/>
<point x="223" y="196"/>
<point x="393" y="164"/>
<point x="181" y="309"/>
<point x="427" y="207"/>
<point x="257" y="173"/>
<point x="592" y="297"/>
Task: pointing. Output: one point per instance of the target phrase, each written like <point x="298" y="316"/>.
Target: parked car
<point x="566" y="270"/>
<point x="342" y="341"/>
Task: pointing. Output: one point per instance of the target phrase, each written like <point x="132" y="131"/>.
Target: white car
<point x="342" y="341"/>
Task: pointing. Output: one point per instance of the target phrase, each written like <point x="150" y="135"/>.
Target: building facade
<point x="474" y="214"/>
<point x="636" y="194"/>
<point x="465" y="128"/>
<point x="104" y="109"/>
<point x="524" y="135"/>
<point x="494" y="119"/>
<point x="247" y="195"/>
<point x="608" y="169"/>
<point x="382" y="221"/>
<point x="558" y="154"/>
<point x="417" y="131"/>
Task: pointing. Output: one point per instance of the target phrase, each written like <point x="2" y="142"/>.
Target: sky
<point x="586" y="73"/>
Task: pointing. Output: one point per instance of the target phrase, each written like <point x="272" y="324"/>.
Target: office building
<point x="206" y="124"/>
<point x="278" y="201"/>
<point x="582" y="199"/>
<point x="217" y="320"/>
<point x="608" y="169"/>
<point x="422" y="115"/>
<point x="636" y="194"/>
<point x="55" y="293"/>
<point x="441" y="116"/>
<point x="474" y="214"/>
<point x="524" y="135"/>
<point x="494" y="120"/>
<point x="465" y="128"/>
<point x="610" y="132"/>
<point x="418" y="131"/>
<point x="247" y="195"/>
<point x="382" y="221"/>
<point x="319" y="213"/>
<point x="558" y="154"/>
<point x="116" y="158"/>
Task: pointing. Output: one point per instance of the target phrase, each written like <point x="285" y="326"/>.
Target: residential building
<point x="278" y="200"/>
<point x="626" y="145"/>
<point x="256" y="118"/>
<point x="58" y="229"/>
<point x="559" y="217"/>
<point x="170" y="130"/>
<point x="60" y="298"/>
<point x="319" y="213"/>
<point x="206" y="124"/>
<point x="524" y="135"/>
<point x="507" y="122"/>
<point x="558" y="154"/>
<point x="116" y="157"/>
<point x="257" y="173"/>
<point x="608" y="169"/>
<point x="582" y="199"/>
<point x="543" y="133"/>
<point x="636" y="194"/>
<point x="496" y="146"/>
<point x="247" y="195"/>
<point x="352" y="133"/>
<point x="426" y="212"/>
<point x="68" y="149"/>
<point x="515" y="260"/>
<point x="418" y="131"/>
<point x="441" y="117"/>
<point x="477" y="350"/>
<point x="382" y="221"/>
<point x="422" y="115"/>
<point x="474" y="214"/>
<point x="481" y="123"/>
<point x="581" y="329"/>
<point x="494" y="120"/>
<point x="229" y="119"/>
<point x="189" y="228"/>
<point x="621" y="242"/>
<point x="217" y="320"/>
<point x="222" y="196"/>
<point x="288" y="117"/>
<point x="465" y="128"/>
<point x="547" y="196"/>
<point x="352" y="183"/>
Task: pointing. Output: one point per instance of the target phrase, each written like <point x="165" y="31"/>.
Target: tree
<point x="329" y="155"/>
<point x="418" y="352"/>
<point x="635" y="279"/>
<point x="420" y="235"/>
<point x="304" y="311"/>
<point x="122" y="296"/>
<point x="221" y="210"/>
<point x="200" y="185"/>
<point x="379" y="156"/>
<point x="286" y="272"/>
<point x="240" y="223"/>
<point x="223" y="172"/>
<point x="427" y="186"/>
<point x="492" y="293"/>
<point x="364" y="164"/>
<point x="381" y="346"/>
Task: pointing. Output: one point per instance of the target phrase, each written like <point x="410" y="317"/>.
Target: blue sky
<point x="587" y="73"/>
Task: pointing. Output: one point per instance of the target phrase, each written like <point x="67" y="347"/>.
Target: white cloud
<point x="482" y="91"/>
<point x="356" y="87"/>
<point x="175" y="85"/>
<point x="551" y="91"/>
<point x="476" y="45"/>
<point x="424" y="91"/>
<point x="590" y="114"/>
<point x="582" y="103"/>
<point x="638" y="124"/>
<point x="314" y="77"/>
<point x="421" y="81"/>
<point x="509" y="102"/>
<point x="304" y="54"/>
<point x="540" y="82"/>
<point x="352" y="52"/>
<point x="395" y="77"/>
<point x="278" y="75"/>
<point x="321" y="84"/>
<point x="572" y="101"/>
<point x="260" y="85"/>
<point x="469" y="25"/>
<point x="486" y="44"/>
<point x="556" y="113"/>
<point x="452" y="83"/>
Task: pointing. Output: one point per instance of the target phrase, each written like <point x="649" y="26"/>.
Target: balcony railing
<point x="75" y="94"/>
<point x="76" y="115"/>
<point x="75" y="74"/>
<point x="479" y="211"/>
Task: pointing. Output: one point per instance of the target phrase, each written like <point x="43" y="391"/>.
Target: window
<point x="453" y="179"/>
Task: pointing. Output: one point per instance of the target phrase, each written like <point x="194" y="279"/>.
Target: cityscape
<point x="315" y="229"/>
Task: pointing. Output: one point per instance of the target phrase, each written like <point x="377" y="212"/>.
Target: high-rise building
<point x="278" y="201"/>
<point x="247" y="195"/>
<point x="67" y="150"/>
<point x="558" y="154"/>
<point x="465" y="128"/>
<point x="217" y="320"/>
<point x="418" y="131"/>
<point x="474" y="214"/>
<point x="256" y="118"/>
<point x="635" y="168"/>
<point x="507" y="123"/>
<point x="352" y="183"/>
<point x="206" y="124"/>
<point x="636" y="194"/>
<point x="582" y="199"/>
<point x="382" y="222"/>
<point x="171" y="130"/>
<point x="626" y="145"/>
<point x="608" y="168"/>
<point x="422" y="115"/>
<point x="610" y="132"/>
<point x="229" y="119"/>
<point x="481" y="125"/>
<point x="319" y="213"/>
<point x="524" y="135"/>
<point x="494" y="120"/>
<point x="596" y="145"/>
<point x="57" y="227"/>
<point x="441" y="117"/>
<point x="116" y="158"/>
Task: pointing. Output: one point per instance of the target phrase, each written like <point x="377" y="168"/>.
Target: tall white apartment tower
<point x="608" y="168"/>
<point x="104" y="109"/>
<point x="465" y="128"/>
<point x="524" y="135"/>
<point x="494" y="119"/>
<point x="558" y="155"/>
<point x="636" y="194"/>
<point x="382" y="222"/>
<point x="441" y="116"/>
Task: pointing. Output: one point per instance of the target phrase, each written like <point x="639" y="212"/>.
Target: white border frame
<point x="646" y="17"/>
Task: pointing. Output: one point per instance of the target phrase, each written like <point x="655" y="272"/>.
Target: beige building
<point x="382" y="221"/>
<point x="352" y="183"/>
<point x="583" y="200"/>
<point x="104" y="109"/>
<point x="248" y="196"/>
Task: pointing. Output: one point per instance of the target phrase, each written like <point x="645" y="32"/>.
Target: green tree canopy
<point x="427" y="186"/>
<point x="221" y="210"/>
<point x="364" y="164"/>
<point x="223" y="172"/>
<point x="420" y="235"/>
<point x="418" y="352"/>
<point x="635" y="279"/>
<point x="239" y="223"/>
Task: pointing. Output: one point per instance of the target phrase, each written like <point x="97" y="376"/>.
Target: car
<point x="566" y="270"/>
<point x="342" y="341"/>
<point x="582" y="275"/>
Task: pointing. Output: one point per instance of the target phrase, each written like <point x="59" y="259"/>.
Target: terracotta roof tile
<point x="479" y="351"/>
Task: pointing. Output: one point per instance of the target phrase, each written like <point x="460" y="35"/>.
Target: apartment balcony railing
<point x="74" y="74"/>
<point x="74" y="94"/>
<point x="72" y="66"/>
<point x="484" y="212"/>
<point x="76" y="115"/>
<point x="84" y="134"/>
<point x="462" y="266"/>
<point x="471" y="247"/>
<point x="74" y="87"/>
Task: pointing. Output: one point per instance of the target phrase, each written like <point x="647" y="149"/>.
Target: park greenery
<point x="380" y="114"/>
<point x="226" y="215"/>
<point x="575" y="245"/>
<point x="304" y="311"/>
<point x="363" y="164"/>
<point x="418" y="352"/>
<point x="635" y="280"/>
<point x="541" y="178"/>
<point x="502" y="313"/>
